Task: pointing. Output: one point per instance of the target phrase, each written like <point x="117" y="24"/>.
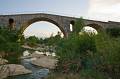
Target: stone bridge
<point x="22" y="21"/>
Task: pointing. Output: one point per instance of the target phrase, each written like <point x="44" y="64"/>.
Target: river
<point x="37" y="72"/>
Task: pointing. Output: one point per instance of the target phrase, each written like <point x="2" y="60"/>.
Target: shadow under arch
<point x="31" y="21"/>
<point x="95" y="26"/>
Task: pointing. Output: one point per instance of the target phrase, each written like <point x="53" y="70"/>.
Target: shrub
<point x="108" y="55"/>
<point x="79" y="24"/>
<point x="80" y="53"/>
<point x="32" y="41"/>
<point x="9" y="45"/>
<point x="53" y="40"/>
<point x="74" y="51"/>
<point x="91" y="74"/>
<point x="114" y="32"/>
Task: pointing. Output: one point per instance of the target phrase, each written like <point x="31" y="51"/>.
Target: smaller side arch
<point x="11" y="23"/>
<point x="72" y="23"/>
<point x="95" y="26"/>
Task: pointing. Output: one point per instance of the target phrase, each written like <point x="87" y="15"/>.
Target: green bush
<point x="92" y="74"/>
<point x="107" y="57"/>
<point x="114" y="32"/>
<point x="79" y="24"/>
<point x="74" y="51"/>
<point x="53" y="40"/>
<point x="9" y="45"/>
<point x="32" y="41"/>
<point x="100" y="54"/>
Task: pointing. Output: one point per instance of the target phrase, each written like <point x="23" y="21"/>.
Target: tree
<point x="32" y="41"/>
<point x="79" y="24"/>
<point x="9" y="45"/>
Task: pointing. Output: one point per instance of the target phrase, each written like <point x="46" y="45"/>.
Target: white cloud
<point x="104" y="9"/>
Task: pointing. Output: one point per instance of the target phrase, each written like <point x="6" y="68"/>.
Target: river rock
<point x="26" y="53"/>
<point x="3" y="61"/>
<point x="12" y="70"/>
<point x="37" y="52"/>
<point x="47" y="53"/>
<point x="46" y="62"/>
<point x="53" y="54"/>
<point x="36" y="55"/>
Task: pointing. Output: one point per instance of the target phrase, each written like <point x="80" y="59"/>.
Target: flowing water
<point x="37" y="72"/>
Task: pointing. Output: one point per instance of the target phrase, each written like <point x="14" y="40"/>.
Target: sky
<point x="41" y="29"/>
<point x="103" y="10"/>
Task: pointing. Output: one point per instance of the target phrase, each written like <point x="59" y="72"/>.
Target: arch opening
<point x="95" y="26"/>
<point x="46" y="20"/>
<point x="88" y="30"/>
<point x="11" y="23"/>
<point x="71" y="25"/>
<point x="42" y="29"/>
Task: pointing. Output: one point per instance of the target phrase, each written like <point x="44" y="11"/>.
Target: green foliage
<point x="100" y="54"/>
<point x="79" y="24"/>
<point x="108" y="55"/>
<point x="32" y="41"/>
<point x="91" y="74"/>
<point x="41" y="41"/>
<point x="84" y="74"/>
<point x="114" y="32"/>
<point x="9" y="45"/>
<point x="53" y="40"/>
<point x="75" y="49"/>
<point x="21" y="38"/>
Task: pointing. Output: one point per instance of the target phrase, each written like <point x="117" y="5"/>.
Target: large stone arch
<point x="33" y="20"/>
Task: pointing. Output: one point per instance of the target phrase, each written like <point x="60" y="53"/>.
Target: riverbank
<point x="37" y="62"/>
<point x="64" y="76"/>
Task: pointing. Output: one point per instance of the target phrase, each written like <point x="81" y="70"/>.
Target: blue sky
<point x="92" y="9"/>
<point x="64" y="7"/>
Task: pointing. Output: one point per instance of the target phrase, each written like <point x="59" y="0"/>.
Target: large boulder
<point x="3" y="61"/>
<point x="26" y="53"/>
<point x="37" y="55"/>
<point x="12" y="70"/>
<point x="46" y="62"/>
